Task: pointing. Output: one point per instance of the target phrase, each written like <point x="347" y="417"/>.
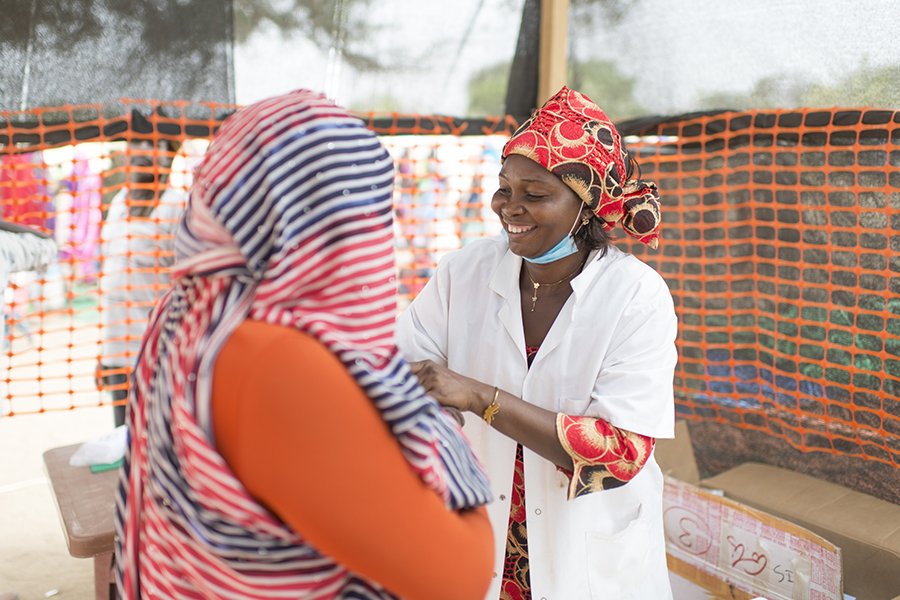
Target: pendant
<point x="534" y="295"/>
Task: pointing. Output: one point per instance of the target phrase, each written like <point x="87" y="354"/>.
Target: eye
<point x="535" y="197"/>
<point x="503" y="191"/>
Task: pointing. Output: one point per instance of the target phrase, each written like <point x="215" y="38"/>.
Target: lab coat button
<point x="503" y="496"/>
<point x="537" y="511"/>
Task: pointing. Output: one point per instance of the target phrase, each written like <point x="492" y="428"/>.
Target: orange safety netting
<point x="781" y="250"/>
<point x="781" y="246"/>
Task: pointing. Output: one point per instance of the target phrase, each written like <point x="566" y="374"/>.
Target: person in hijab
<point x="280" y="447"/>
<point x="563" y="347"/>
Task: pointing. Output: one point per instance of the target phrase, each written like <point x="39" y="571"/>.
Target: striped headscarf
<point x="289" y="222"/>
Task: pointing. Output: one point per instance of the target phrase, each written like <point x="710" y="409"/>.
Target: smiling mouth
<point x="519" y="229"/>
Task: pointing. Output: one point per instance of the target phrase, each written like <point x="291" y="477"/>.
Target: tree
<point x="603" y="83"/>
<point x="379" y="103"/>
<point x="487" y="90"/>
<point x="784" y="90"/>
<point x="584" y="12"/>
<point x="344" y="25"/>
<point x="866" y="86"/>
<point x="598" y="79"/>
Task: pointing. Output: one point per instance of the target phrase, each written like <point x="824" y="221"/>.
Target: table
<point x="86" y="504"/>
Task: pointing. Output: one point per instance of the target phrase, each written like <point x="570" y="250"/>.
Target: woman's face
<point x="535" y="207"/>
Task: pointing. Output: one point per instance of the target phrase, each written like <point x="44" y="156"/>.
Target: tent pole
<point x="554" y="34"/>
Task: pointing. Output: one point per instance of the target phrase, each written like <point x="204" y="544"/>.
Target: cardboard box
<point x="866" y="529"/>
<point x="676" y="456"/>
<point x="734" y="551"/>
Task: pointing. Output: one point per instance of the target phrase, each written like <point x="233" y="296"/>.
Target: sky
<point x="691" y="47"/>
<point x="677" y="51"/>
<point x="420" y="38"/>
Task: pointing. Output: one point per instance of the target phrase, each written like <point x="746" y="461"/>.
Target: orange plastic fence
<point x="781" y="248"/>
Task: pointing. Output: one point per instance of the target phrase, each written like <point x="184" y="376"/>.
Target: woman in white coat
<point x="563" y="346"/>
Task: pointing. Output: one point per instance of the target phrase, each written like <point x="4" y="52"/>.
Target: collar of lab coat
<point x="505" y="283"/>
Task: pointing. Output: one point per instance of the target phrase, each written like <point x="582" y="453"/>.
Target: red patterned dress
<point x="603" y="457"/>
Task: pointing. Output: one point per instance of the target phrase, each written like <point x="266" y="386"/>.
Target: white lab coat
<point x="20" y="252"/>
<point x="137" y="256"/>
<point x="610" y="354"/>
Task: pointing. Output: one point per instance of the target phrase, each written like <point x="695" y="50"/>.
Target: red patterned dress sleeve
<point x="603" y="456"/>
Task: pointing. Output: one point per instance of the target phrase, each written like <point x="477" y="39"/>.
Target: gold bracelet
<point x="492" y="409"/>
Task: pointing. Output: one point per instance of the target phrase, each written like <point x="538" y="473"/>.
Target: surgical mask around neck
<point x="565" y="247"/>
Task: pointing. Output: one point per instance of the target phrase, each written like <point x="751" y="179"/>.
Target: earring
<point x="585" y="220"/>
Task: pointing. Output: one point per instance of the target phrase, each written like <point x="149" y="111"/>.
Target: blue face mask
<point x="565" y="247"/>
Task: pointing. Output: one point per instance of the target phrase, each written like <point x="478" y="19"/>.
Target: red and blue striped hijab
<point x="289" y="222"/>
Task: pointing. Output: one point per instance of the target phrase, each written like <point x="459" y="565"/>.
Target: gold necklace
<point x="536" y="285"/>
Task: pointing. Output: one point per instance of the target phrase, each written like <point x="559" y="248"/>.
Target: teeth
<point x="517" y="229"/>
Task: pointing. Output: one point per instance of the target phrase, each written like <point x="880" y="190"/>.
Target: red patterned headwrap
<point x="572" y="137"/>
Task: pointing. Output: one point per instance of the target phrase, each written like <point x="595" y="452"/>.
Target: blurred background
<point x="771" y="127"/>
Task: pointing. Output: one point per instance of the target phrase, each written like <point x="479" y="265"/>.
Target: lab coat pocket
<point x="616" y="561"/>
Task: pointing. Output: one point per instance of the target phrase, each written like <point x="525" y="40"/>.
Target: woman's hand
<point x="452" y="389"/>
<point x="530" y="425"/>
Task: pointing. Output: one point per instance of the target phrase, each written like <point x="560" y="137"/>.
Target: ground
<point x="34" y="560"/>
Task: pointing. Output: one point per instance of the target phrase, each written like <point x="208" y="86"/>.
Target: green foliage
<point x="867" y="86"/>
<point x="769" y="92"/>
<point x="600" y="80"/>
<point x="342" y="24"/>
<point x="487" y="90"/>
<point x="381" y="103"/>
<point x="611" y="11"/>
